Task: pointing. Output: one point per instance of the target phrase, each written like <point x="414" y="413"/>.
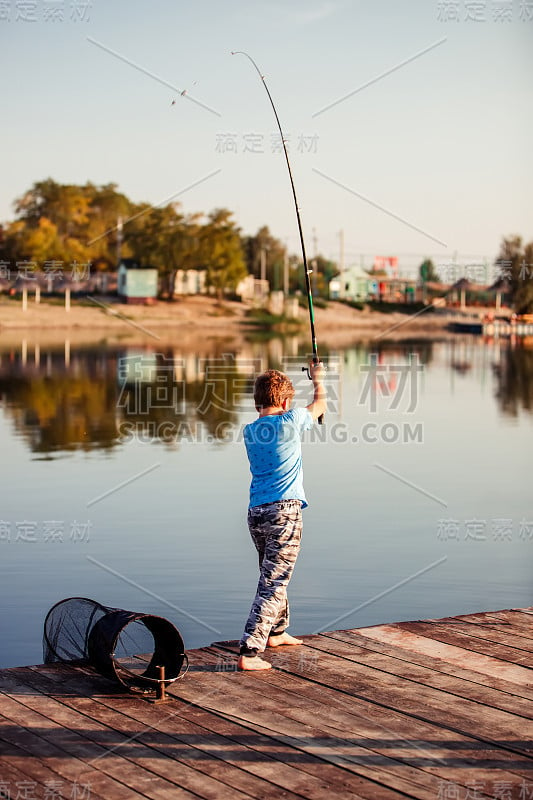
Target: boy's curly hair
<point x="271" y="389"/>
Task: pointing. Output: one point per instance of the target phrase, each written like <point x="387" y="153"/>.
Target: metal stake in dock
<point x="160" y="693"/>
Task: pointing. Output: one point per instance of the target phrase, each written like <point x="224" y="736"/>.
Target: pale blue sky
<point x="442" y="142"/>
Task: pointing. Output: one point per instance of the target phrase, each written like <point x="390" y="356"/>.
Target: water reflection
<point x="65" y="398"/>
<point x="514" y="374"/>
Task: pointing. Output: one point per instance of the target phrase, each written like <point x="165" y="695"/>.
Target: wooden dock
<point x="435" y="710"/>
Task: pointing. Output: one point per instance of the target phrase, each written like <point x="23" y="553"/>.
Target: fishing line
<point x="307" y="271"/>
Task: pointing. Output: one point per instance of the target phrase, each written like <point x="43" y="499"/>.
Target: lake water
<point x="125" y="480"/>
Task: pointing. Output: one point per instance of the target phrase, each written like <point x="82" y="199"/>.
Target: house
<point x="190" y="281"/>
<point x="353" y="283"/>
<point x="357" y="284"/>
<point x="136" y="284"/>
<point x="253" y="290"/>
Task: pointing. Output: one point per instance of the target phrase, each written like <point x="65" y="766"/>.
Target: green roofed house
<point x="136" y="284"/>
<point x="353" y="283"/>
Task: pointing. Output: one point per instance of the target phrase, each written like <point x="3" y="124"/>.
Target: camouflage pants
<point x="276" y="530"/>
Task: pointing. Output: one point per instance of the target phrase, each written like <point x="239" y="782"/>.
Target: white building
<point x="190" y="281"/>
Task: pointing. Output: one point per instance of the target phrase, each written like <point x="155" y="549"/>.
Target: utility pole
<point x="119" y="240"/>
<point x="286" y="272"/>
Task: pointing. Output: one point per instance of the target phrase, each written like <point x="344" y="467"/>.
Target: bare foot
<point x="252" y="662"/>
<point x="285" y="638"/>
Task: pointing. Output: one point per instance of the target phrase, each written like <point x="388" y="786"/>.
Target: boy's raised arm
<point x="319" y="404"/>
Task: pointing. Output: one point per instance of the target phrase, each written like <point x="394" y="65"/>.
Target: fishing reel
<point x="306" y="369"/>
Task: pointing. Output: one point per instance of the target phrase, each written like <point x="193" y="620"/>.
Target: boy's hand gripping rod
<point x="306" y="268"/>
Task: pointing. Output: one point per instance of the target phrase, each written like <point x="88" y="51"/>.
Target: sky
<point x="408" y="124"/>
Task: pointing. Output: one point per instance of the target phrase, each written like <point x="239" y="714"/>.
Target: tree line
<point x="66" y="224"/>
<point x="89" y="224"/>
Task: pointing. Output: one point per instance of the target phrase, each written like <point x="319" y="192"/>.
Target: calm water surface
<point x="124" y="479"/>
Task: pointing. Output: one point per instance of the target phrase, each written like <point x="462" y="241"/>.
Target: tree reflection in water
<point x="515" y="379"/>
<point x="98" y="396"/>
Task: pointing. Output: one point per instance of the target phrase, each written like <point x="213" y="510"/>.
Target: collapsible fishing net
<point x="127" y="646"/>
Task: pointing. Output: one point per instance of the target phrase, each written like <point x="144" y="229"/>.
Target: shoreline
<point x="200" y="316"/>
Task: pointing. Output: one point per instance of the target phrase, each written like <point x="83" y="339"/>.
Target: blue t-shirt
<point x="274" y="448"/>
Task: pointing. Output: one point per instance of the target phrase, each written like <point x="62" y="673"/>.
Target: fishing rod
<point x="307" y="271"/>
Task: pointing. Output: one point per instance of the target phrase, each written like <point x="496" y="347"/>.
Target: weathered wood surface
<point x="433" y="710"/>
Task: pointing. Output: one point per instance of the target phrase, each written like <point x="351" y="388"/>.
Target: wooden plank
<point x="79" y="736"/>
<point x="341" y="782"/>
<point x="253" y="752"/>
<point x="423" y="675"/>
<point x="394" y="723"/>
<point x="452" y="653"/>
<point x="159" y="754"/>
<point x="342" y="785"/>
<point x="476" y="637"/>
<point x="41" y="749"/>
<point x="436" y="664"/>
<point x="375" y="714"/>
<point x="518" y="622"/>
<point x="29" y="777"/>
<point x="423" y="702"/>
<point x="406" y="725"/>
<point x="327" y="710"/>
<point x="179" y="733"/>
<point x="262" y="763"/>
<point x="311" y="788"/>
<point x="486" y="787"/>
<point x="261" y="715"/>
<point x="468" y="642"/>
<point x="348" y="735"/>
<point x="487" y="628"/>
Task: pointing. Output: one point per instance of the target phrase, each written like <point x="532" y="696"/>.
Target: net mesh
<point x="128" y="646"/>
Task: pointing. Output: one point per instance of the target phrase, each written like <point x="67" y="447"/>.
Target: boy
<point x="274" y="450"/>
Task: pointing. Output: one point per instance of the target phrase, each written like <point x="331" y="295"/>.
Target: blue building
<point x="136" y="284"/>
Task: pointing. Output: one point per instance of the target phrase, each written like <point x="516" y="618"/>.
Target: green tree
<point x="516" y="264"/>
<point x="427" y="272"/>
<point x="263" y="248"/>
<point x="50" y="224"/>
<point x="323" y="270"/>
<point x="221" y="247"/>
<point x="154" y="237"/>
<point x="67" y="206"/>
<point x="107" y="207"/>
<point x="67" y="223"/>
